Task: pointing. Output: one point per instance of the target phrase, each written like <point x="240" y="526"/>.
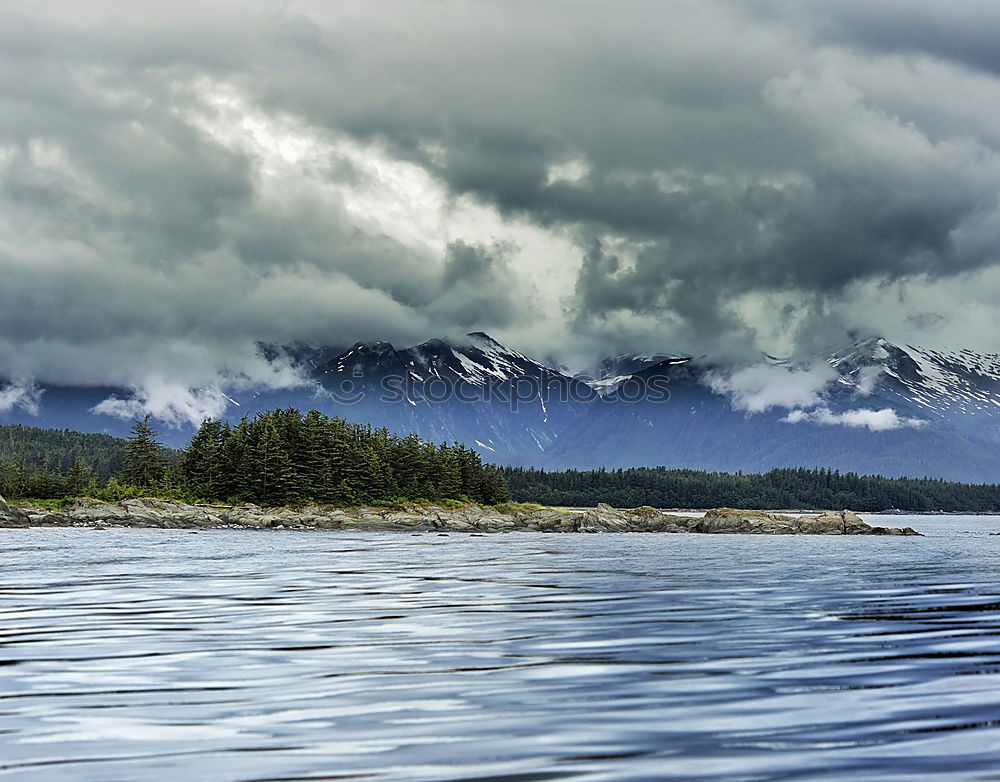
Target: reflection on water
<point x="226" y="655"/>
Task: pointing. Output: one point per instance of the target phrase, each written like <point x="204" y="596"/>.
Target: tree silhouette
<point x="144" y="462"/>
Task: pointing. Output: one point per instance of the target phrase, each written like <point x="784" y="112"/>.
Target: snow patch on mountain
<point x="941" y="383"/>
<point x="613" y="371"/>
<point x="476" y="360"/>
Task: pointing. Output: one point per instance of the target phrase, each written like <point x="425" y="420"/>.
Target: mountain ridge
<point x="876" y="406"/>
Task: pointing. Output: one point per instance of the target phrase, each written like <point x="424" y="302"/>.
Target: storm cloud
<point x="178" y="184"/>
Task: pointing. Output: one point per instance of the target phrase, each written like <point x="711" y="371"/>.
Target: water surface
<point x="129" y="654"/>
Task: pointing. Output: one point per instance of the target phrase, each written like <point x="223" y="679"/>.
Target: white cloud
<point x="764" y="387"/>
<point x="760" y="388"/>
<point x="171" y="403"/>
<point x="867" y="378"/>
<point x="874" y="420"/>
<point x="571" y="171"/>
<point x="27" y="396"/>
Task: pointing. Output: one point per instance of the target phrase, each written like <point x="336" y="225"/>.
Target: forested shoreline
<point x="55" y="451"/>
<point x="280" y="457"/>
<point x="815" y="489"/>
<point x="283" y="457"/>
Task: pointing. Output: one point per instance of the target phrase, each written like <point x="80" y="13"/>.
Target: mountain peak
<point x="625" y="365"/>
<point x="379" y="348"/>
<point x="361" y="357"/>
<point x="433" y="344"/>
<point x="869" y="351"/>
<point x="483" y="341"/>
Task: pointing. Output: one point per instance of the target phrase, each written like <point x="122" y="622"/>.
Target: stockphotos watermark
<point x="512" y="392"/>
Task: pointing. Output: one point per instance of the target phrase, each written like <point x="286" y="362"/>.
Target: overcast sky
<point x="181" y="180"/>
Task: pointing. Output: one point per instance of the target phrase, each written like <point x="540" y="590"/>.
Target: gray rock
<point x="468" y="519"/>
<point x="12" y="517"/>
<point x="748" y="522"/>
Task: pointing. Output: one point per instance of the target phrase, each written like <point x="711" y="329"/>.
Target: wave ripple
<point x="267" y="656"/>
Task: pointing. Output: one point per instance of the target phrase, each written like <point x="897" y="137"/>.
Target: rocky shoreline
<point x="434" y="518"/>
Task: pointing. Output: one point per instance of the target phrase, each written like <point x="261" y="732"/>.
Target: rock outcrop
<point x="434" y="518"/>
<point x="843" y="522"/>
<point x="12" y="517"/>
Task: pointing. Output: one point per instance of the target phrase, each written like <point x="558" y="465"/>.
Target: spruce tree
<point x="312" y="461"/>
<point x="270" y="476"/>
<point x="282" y="457"/>
<point x="449" y="474"/>
<point x="13" y="483"/>
<point x="200" y="464"/>
<point x="81" y="479"/>
<point x="407" y="460"/>
<point x="471" y="471"/>
<point x="493" y="487"/>
<point x="46" y="483"/>
<point x="291" y="432"/>
<point x="232" y="457"/>
<point x="144" y="462"/>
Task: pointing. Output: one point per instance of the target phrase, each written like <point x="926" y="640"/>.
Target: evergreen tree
<point x="471" y="470"/>
<point x="493" y="487"/>
<point x="312" y="460"/>
<point x="200" y="466"/>
<point x="31" y="446"/>
<point x="449" y="473"/>
<point x="144" y="462"/>
<point x="270" y="479"/>
<point x="776" y="489"/>
<point x="81" y="479"/>
<point x="291" y="432"/>
<point x="46" y="483"/>
<point x="406" y="457"/>
<point x="13" y="482"/>
<point x="279" y="457"/>
<point x="233" y="477"/>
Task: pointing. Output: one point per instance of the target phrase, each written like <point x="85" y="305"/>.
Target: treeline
<point x="777" y="489"/>
<point x="281" y="457"/>
<point x="55" y="451"/>
<point x="47" y="482"/>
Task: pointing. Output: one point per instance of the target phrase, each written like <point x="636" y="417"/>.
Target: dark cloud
<point x="476" y="289"/>
<point x="730" y="155"/>
<point x="178" y="184"/>
<point x="962" y="32"/>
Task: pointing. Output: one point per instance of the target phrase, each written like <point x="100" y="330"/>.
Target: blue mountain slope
<point x="516" y="410"/>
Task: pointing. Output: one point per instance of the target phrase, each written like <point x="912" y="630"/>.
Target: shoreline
<point x="888" y="512"/>
<point x="164" y="514"/>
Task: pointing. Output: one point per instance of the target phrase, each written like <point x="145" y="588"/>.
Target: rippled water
<point x="226" y="655"/>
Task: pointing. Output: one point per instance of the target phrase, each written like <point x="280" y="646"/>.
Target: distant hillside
<point x="102" y="452"/>
<point x="787" y="488"/>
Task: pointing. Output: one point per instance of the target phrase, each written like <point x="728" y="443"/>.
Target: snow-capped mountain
<point x="300" y="355"/>
<point x="877" y="407"/>
<point x="880" y="408"/>
<point x="612" y="371"/>
<point x="474" y="390"/>
<point x="476" y="360"/>
<point x="948" y="385"/>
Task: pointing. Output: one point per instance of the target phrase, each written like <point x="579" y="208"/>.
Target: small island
<point x="467" y="518"/>
<point x="285" y="470"/>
